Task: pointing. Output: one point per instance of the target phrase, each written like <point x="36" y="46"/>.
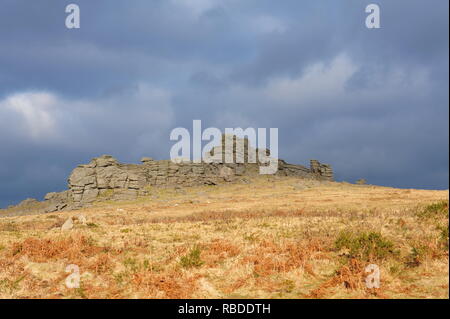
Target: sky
<point x="373" y="103"/>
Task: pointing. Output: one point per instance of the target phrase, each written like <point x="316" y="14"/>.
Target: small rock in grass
<point x="68" y="224"/>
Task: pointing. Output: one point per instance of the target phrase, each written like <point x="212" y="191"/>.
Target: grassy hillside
<point x="270" y="238"/>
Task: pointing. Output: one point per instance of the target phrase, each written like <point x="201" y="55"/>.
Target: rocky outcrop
<point x="323" y="170"/>
<point x="104" y="178"/>
<point x="57" y="201"/>
<point x="88" y="182"/>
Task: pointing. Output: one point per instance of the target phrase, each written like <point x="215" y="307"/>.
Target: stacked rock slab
<point x="323" y="170"/>
<point x="237" y="151"/>
<point x="103" y="175"/>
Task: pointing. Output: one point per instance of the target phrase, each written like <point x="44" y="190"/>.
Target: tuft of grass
<point x="81" y="292"/>
<point x="10" y="227"/>
<point x="288" y="286"/>
<point x="251" y="237"/>
<point x="106" y="195"/>
<point x="192" y="259"/>
<point x="147" y="265"/>
<point x="443" y="236"/>
<point x="417" y="256"/>
<point x="365" y="245"/>
<point x="121" y="277"/>
<point x="435" y="210"/>
<point x="10" y="285"/>
<point x="395" y="269"/>
<point x="131" y="264"/>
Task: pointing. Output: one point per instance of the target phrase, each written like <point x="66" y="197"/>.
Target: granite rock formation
<point x="105" y="178"/>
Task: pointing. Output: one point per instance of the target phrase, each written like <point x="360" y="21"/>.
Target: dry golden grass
<point x="271" y="238"/>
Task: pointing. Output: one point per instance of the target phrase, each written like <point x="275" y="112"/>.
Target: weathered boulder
<point x="68" y="224"/>
<point x="57" y="201"/>
<point x="105" y="161"/>
<point x="82" y="176"/>
<point x="80" y="219"/>
<point x="226" y="172"/>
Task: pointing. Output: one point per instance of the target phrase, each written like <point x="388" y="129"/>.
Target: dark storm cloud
<point x="373" y="103"/>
